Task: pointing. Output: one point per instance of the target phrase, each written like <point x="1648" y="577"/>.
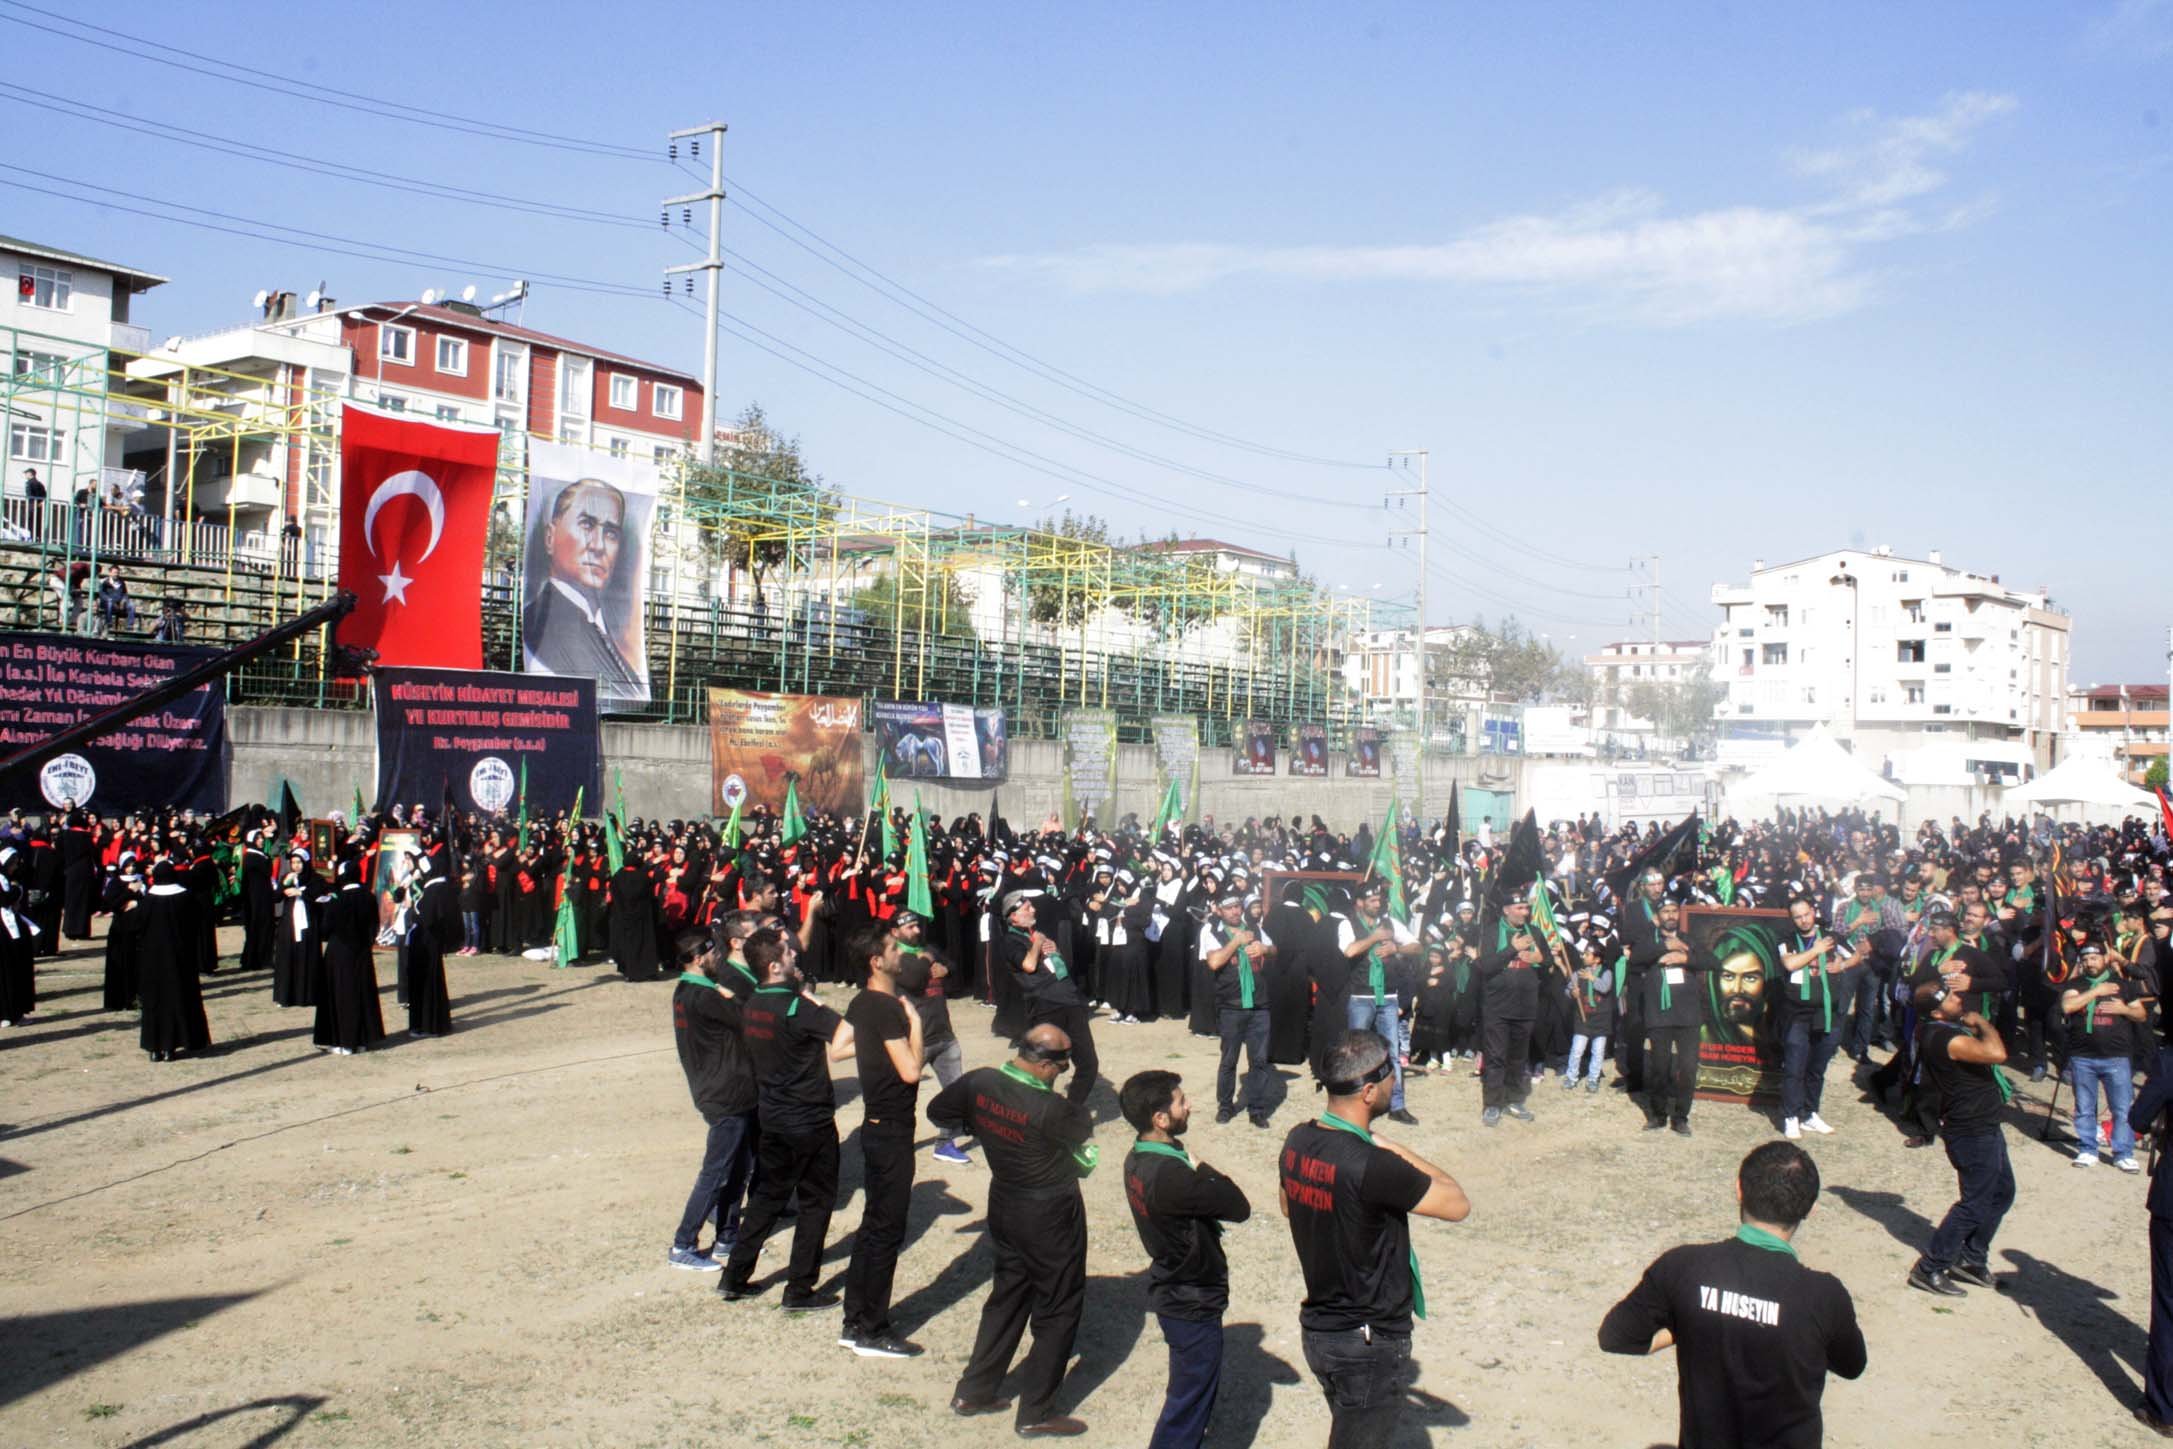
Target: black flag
<point x="1659" y="855"/>
<point x="290" y="812"/>
<point x="1455" y="841"/>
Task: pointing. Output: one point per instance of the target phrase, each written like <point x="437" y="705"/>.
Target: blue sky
<point x="1707" y="282"/>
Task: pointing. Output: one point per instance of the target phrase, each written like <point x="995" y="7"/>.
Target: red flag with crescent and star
<point x="414" y="510"/>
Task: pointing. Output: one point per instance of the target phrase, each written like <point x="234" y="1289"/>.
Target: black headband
<point x="1381" y="1073"/>
<point x="1032" y="1053"/>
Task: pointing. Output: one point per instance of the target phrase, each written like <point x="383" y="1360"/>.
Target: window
<point x="1909" y="651"/>
<point x="1912" y="694"/>
<point x="1913" y="610"/>
<point x="1942" y="669"/>
<point x="509" y="377"/>
<point x="1942" y="628"/>
<point x="392" y="402"/>
<point x="1776" y="616"/>
<point x="1746" y="662"/>
<point x="52" y="288"/>
<point x="41" y="368"/>
<point x="618" y="447"/>
<point x="574" y="387"/>
<point x="447" y="413"/>
<point x="1742" y="633"/>
<point x="664" y="453"/>
<point x="1942" y="709"/>
<point x="569" y="432"/>
<point x="1901" y="576"/>
<point x="625" y="392"/>
<point x="664" y="401"/>
<point x="508" y="421"/>
<point x="1774" y="654"/>
<point x="1810" y="694"/>
<point x="33" y="444"/>
<point x="453" y="356"/>
<point x="1878" y="694"/>
<point x="396" y="344"/>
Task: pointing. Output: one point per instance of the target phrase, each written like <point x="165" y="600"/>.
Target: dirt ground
<point x="461" y="1242"/>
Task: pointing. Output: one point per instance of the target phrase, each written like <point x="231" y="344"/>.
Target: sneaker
<point x="1491" y="1117"/>
<point x="1519" y="1111"/>
<point x="1569" y="1084"/>
<point x="1816" y="1123"/>
<point x="693" y="1261"/>
<point x="2088" y="1157"/>
<point x="810" y="1302"/>
<point x="1936" y="1280"/>
<point x="887" y="1345"/>
<point x="1592" y="1084"/>
<point x="952" y="1153"/>
<point x="2129" y="1164"/>
<point x="1791" y="1130"/>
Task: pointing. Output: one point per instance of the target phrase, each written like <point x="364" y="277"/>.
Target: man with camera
<point x="1237" y="954"/>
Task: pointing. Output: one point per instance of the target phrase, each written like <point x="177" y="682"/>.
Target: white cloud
<point x="1621" y="254"/>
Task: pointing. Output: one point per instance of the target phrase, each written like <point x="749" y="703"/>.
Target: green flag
<point x="565" y="936"/>
<point x="793" y="823"/>
<point x="1172" y="809"/>
<point x="918" y="899"/>
<point x="731" y="826"/>
<point x="575" y="818"/>
<point x="879" y="807"/>
<point x="523" y="843"/>
<point x="614" y="847"/>
<point x="358" y="804"/>
<point x="1387" y="863"/>
<point x="1545" y="926"/>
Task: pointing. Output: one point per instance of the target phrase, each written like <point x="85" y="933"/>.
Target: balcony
<point x="240" y="491"/>
<point x="127" y="337"/>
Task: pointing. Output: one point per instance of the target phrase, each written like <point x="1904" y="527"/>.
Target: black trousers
<point x="802" y="1168"/>
<point x="1363" y="1376"/>
<point x="1249" y="1030"/>
<point x="1507" y="1074"/>
<point x="886" y="1151"/>
<point x="1040" y="1248"/>
<point x="1671" y="1071"/>
<point x="1074" y="1022"/>
<point x="1630" y="1041"/>
<point x="2158" y="1366"/>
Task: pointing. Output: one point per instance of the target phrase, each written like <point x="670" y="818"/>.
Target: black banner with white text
<point x="475" y="730"/>
<point x="172" y="756"/>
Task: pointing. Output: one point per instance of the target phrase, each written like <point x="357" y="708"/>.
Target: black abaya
<point x="348" y="1014"/>
<point x="168" y="974"/>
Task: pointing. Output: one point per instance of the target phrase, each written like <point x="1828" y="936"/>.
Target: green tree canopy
<point x="757" y="499"/>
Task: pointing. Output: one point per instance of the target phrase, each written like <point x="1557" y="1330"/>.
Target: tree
<point x="1508" y="660"/>
<point x="757" y="489"/>
<point x="1680" y="709"/>
<point x="1048" y="599"/>
<point x="950" y="606"/>
<point x="2155" y="777"/>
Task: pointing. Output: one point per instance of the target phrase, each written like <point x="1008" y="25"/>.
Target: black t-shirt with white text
<point x="1755" y="1334"/>
<point x="877" y="1019"/>
<point x="789" y="1038"/>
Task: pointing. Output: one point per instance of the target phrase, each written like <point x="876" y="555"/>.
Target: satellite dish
<point x="430" y="296"/>
<point x="261" y="298"/>
<point x="467" y="293"/>
<point x="315" y="300"/>
<point x="173" y="343"/>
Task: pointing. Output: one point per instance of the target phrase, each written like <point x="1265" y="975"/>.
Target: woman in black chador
<point x="348" y="1017"/>
<point x="124" y="932"/>
<point x="298" y="932"/>
<point x="433" y="928"/>
<point x="169" y="968"/>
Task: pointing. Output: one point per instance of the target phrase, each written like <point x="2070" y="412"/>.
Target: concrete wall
<point x="328" y="754"/>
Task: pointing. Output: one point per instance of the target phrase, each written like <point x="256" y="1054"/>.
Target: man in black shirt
<point x="1755" y="1331"/>
<point x="706" y="1027"/>
<point x="932" y="1002"/>
<point x="1960" y="1053"/>
<point x="1238" y="958"/>
<point x="1814" y="1003"/>
<point x="2105" y="1009"/>
<point x="2156" y="1410"/>
<point x="1348" y="1196"/>
<point x="1179" y="1207"/>
<point x="1668" y="1005"/>
<point x="888" y="1046"/>
<point x="1038" y="1146"/>
<point x="1642" y="946"/>
<point x="1044" y="982"/>
<point x="792" y="1039"/>
<point x="1507" y="970"/>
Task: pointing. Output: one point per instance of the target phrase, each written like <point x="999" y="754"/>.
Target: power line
<point x="250" y="227"/>
<point x="900" y="295"/>
<point x="1510" y="540"/>
<point x="1522" y="610"/>
<point x="340" y="170"/>
<point x="322" y="95"/>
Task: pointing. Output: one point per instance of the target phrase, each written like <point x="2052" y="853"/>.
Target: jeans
<point x="1579" y="1044"/>
<point x="1988" y="1190"/>
<point x="2117" y="1073"/>
<point x="471" y="930"/>
<point x="1249" y="1029"/>
<point x="1363" y="1382"/>
<point x="948" y="1062"/>
<point x="886" y="1150"/>
<point x="1195" y="1377"/>
<point x="1870" y="1001"/>
<point x="1805" y="1054"/>
<point x="1362" y="1015"/>
<point x="727" y="1158"/>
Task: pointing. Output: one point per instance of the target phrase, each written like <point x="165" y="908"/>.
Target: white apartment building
<point x="1621" y="666"/>
<point x="58" y="346"/>
<point x="1381" y="669"/>
<point x="1909" y="660"/>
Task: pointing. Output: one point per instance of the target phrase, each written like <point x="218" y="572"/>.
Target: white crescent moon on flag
<point x="415" y="485"/>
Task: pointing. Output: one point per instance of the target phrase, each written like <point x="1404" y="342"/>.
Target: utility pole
<point x="1425" y="670"/>
<point x="1650" y="562"/>
<point x="714" y="131"/>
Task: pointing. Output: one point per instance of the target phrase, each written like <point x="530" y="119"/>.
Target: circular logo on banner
<point x="490" y="784"/>
<point x="734" y="791"/>
<point x="66" y="781"/>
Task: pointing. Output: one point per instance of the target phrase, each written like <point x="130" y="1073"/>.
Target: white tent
<point x="2083" y="787"/>
<point x="1815" y="771"/>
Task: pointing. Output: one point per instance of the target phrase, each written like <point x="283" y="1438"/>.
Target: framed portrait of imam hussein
<point x="1739" y="1042"/>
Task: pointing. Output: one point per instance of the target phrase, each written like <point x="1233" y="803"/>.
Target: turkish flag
<point x="414" y="510"/>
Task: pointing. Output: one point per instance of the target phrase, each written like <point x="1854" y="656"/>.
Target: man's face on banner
<point x="1742" y="989"/>
<point x="584" y="536"/>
